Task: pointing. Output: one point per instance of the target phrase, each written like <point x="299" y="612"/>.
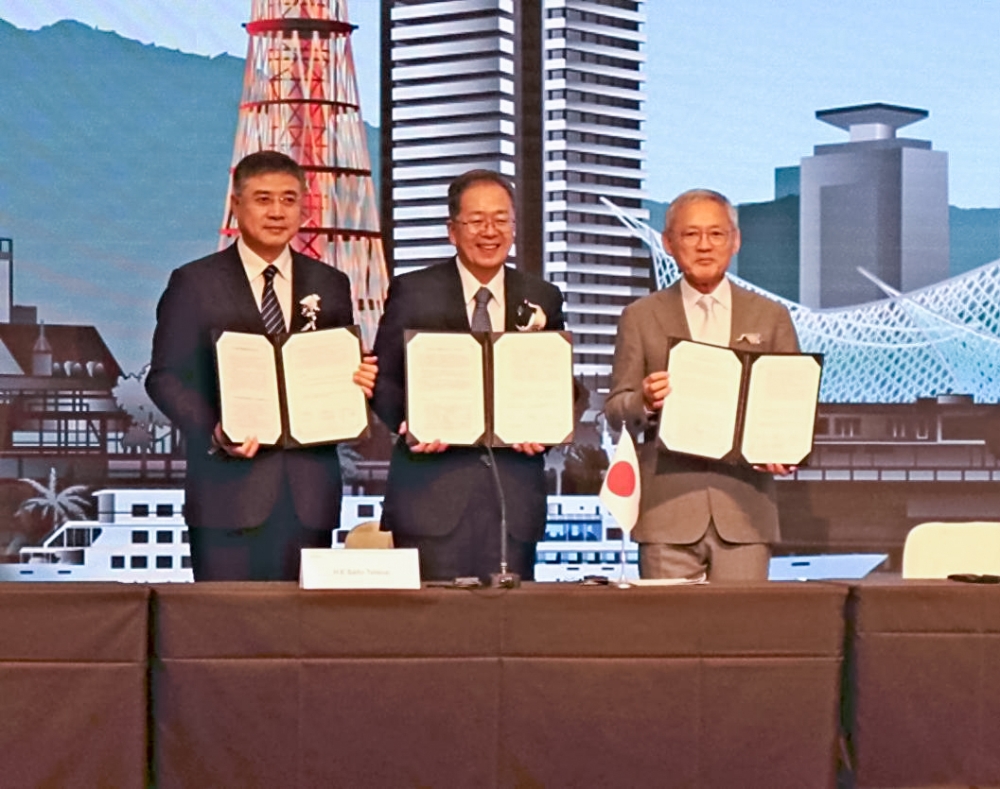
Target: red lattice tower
<point x="300" y="97"/>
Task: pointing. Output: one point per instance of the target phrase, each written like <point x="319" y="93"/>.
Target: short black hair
<point x="264" y="162"/>
<point x="457" y="188"/>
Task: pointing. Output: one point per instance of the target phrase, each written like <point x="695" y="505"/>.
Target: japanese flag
<point x="620" y="491"/>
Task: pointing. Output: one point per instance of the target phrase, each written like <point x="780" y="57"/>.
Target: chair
<point x="936" y="550"/>
<point x="368" y="535"/>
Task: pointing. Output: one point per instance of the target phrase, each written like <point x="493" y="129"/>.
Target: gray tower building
<point x="594" y="147"/>
<point x="877" y="202"/>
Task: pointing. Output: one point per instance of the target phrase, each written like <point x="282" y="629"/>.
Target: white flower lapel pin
<point x="310" y="310"/>
<point x="529" y="317"/>
<point x="750" y="339"/>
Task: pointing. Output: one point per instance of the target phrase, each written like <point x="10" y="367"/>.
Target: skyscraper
<point x="878" y="202"/>
<point x="460" y="84"/>
<point x="594" y="147"/>
<point x="547" y="92"/>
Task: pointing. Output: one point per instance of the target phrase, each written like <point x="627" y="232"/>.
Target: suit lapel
<point x="514" y="295"/>
<point x="302" y="286"/>
<point x="670" y="313"/>
<point x="743" y="318"/>
<point x="454" y="315"/>
<point x="237" y="286"/>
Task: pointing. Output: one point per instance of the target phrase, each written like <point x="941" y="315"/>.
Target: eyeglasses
<point x="692" y="237"/>
<point x="479" y="224"/>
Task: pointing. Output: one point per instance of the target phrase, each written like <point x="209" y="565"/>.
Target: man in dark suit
<point x="249" y="509"/>
<point x="440" y="499"/>
<point x="697" y="517"/>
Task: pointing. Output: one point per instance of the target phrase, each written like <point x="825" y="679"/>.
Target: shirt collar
<point x="723" y="294"/>
<point x="255" y="264"/>
<point x="471" y="285"/>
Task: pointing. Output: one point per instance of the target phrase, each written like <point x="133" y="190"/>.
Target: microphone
<point x="503" y="579"/>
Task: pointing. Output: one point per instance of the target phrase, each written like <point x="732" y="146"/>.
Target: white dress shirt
<point x="254" y="265"/>
<point x="717" y="330"/>
<point x="495" y="306"/>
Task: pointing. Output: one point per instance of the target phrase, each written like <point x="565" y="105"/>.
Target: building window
<point x="366" y="510"/>
<point x="138" y="563"/>
<point x="847" y="427"/>
<point x="140" y="510"/>
<point x="164" y="562"/>
<point x="164" y="510"/>
<point x="117" y="562"/>
<point x="140" y="537"/>
<point x="186" y="562"/>
<point x="164" y="537"/>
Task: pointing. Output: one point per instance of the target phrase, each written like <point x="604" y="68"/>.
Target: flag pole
<point x="622" y="580"/>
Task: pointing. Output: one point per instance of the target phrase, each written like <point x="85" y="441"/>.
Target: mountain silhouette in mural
<point x="114" y="160"/>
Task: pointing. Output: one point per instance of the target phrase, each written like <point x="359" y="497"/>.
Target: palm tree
<point x="54" y="507"/>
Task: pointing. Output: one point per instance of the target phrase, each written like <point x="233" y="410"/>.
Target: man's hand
<point x="421" y="446"/>
<point x="776" y="468"/>
<point x="528" y="448"/>
<point x="245" y="450"/>
<point x="655" y="387"/>
<point x="366" y="374"/>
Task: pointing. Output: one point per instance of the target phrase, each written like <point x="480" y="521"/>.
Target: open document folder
<point x="735" y="406"/>
<point x="498" y="389"/>
<point x="296" y="391"/>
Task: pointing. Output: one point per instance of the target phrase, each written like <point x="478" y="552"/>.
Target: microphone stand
<point x="503" y="579"/>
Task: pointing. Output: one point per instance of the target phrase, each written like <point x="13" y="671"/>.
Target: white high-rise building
<point x="594" y="147"/>
<point x="549" y="93"/>
<point x="451" y="81"/>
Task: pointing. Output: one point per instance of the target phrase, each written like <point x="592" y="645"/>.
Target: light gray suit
<point x="682" y="494"/>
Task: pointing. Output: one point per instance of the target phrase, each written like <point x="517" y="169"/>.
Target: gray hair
<point x="695" y="195"/>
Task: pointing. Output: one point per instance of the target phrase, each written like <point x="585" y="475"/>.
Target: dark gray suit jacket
<point x="680" y="493"/>
<point x="209" y="295"/>
<point x="427" y="494"/>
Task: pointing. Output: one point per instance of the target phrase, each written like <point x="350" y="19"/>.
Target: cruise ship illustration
<point x="140" y="536"/>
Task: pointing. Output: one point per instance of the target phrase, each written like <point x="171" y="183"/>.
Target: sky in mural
<point x="732" y="86"/>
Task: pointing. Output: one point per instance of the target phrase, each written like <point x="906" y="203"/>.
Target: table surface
<point x="73" y="684"/>
<point x="922" y="683"/>
<point x="543" y="685"/>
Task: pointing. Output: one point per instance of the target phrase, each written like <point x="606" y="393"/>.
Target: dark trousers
<point x="472" y="548"/>
<point x="267" y="552"/>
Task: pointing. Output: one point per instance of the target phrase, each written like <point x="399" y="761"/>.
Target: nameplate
<point x="359" y="568"/>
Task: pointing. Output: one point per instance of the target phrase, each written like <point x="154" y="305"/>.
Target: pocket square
<point x="750" y="339"/>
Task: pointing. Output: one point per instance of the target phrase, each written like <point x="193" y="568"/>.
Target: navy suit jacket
<point x="427" y="493"/>
<point x="211" y="295"/>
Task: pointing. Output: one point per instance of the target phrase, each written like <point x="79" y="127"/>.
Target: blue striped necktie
<point x="270" y="310"/>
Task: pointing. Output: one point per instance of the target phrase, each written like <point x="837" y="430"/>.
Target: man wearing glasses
<point x="441" y="499"/>
<point x="699" y="518"/>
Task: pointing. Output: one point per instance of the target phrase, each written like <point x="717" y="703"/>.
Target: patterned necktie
<point x="480" y="315"/>
<point x="270" y="310"/>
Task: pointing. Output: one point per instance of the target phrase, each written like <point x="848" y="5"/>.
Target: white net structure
<point x="939" y="340"/>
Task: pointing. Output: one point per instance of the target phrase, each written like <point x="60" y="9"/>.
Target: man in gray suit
<point x="698" y="517"/>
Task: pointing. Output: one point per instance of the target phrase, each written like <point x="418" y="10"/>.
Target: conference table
<point x="550" y="685"/>
<point x="922" y="684"/>
<point x="547" y="685"/>
<point x="73" y="693"/>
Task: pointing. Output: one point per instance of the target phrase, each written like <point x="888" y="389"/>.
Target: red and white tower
<point x="300" y="97"/>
